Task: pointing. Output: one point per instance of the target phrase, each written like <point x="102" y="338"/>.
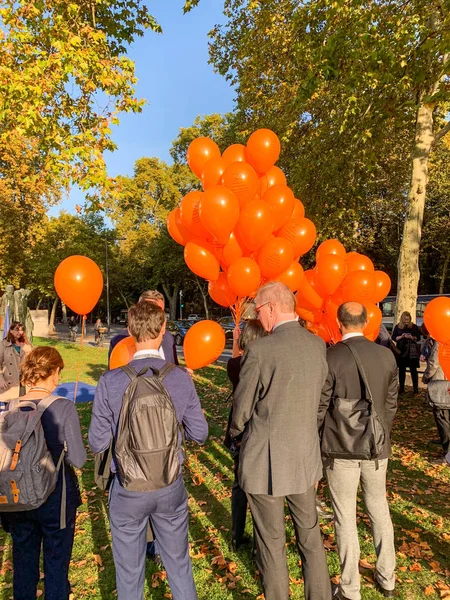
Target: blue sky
<point x="175" y="79"/>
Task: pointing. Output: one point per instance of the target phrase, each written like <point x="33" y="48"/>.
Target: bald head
<point x="352" y="316"/>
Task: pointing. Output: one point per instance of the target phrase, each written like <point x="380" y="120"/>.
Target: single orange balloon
<point x="307" y="297"/>
<point x="212" y="172"/>
<point x="359" y="286"/>
<point x="234" y="153"/>
<point x="263" y="150"/>
<point x="244" y="277"/>
<point x="274" y="176"/>
<point x="301" y="233"/>
<point x="312" y="316"/>
<point x="203" y="344"/>
<point x="330" y="247"/>
<point x="331" y="308"/>
<point x="292" y="277"/>
<point x="199" y="152"/>
<point x="331" y="271"/>
<point x="358" y="262"/>
<point x="281" y="200"/>
<point x="219" y="212"/>
<point x="444" y="359"/>
<point x="199" y="257"/>
<point x="176" y="229"/>
<point x="382" y="285"/>
<point x="79" y="283"/>
<point x="299" y="210"/>
<point x="230" y="252"/>
<point x="122" y="353"/>
<point x="437" y="319"/>
<point x="374" y="318"/>
<point x="220" y="291"/>
<point x="275" y="256"/>
<point x="255" y="224"/>
<point x="190" y="214"/>
<point x="312" y="276"/>
<point x="242" y="180"/>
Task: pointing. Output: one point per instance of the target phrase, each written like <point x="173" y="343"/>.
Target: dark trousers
<point x="30" y="529"/>
<point x="129" y="513"/>
<point x="402" y="376"/>
<point x="238" y="506"/>
<point x="442" y="418"/>
<point x="270" y="531"/>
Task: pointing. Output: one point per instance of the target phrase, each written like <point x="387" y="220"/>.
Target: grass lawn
<point x="418" y="496"/>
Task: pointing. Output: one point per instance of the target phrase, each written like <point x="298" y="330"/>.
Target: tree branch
<point x="443" y="131"/>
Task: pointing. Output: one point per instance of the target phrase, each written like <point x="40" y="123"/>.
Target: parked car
<point x="194" y="317"/>
<point x="179" y="329"/>
<point x="227" y="324"/>
<point x="387" y="307"/>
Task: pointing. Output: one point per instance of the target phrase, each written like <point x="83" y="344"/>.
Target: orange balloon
<point x="331" y="270"/>
<point x="359" y="286"/>
<point x="230" y="252"/>
<point x="199" y="152"/>
<point x="444" y="359"/>
<point x="437" y="319"/>
<point x="292" y="277"/>
<point x="255" y="224"/>
<point x="190" y="214"/>
<point x="301" y="233"/>
<point x="234" y="153"/>
<point x="281" y="200"/>
<point x="307" y="297"/>
<point x="79" y="283"/>
<point x="312" y="277"/>
<point x="263" y="150"/>
<point x="332" y="327"/>
<point x="274" y="176"/>
<point x="203" y="344"/>
<point x="330" y="247"/>
<point x="331" y="308"/>
<point x="212" y="172"/>
<point x="220" y="291"/>
<point x="219" y="212"/>
<point x="176" y="229"/>
<point x="359" y="262"/>
<point x="312" y="316"/>
<point x="299" y="210"/>
<point x="374" y="318"/>
<point x="244" y="277"/>
<point x="382" y="285"/>
<point x="275" y="257"/>
<point x="122" y="353"/>
<point x="199" y="257"/>
<point x="242" y="180"/>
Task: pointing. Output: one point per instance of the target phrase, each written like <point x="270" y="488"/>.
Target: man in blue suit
<point x="167" y="507"/>
<point x="168" y="349"/>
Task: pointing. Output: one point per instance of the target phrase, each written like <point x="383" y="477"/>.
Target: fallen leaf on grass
<point x="90" y="580"/>
<point x="365" y="564"/>
<point x="415" y="567"/>
<point x="429" y="590"/>
<point x="98" y="560"/>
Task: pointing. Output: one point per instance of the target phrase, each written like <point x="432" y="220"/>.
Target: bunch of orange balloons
<point x="437" y="320"/>
<point x="247" y="228"/>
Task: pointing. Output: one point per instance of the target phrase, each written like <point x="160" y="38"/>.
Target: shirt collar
<point x="352" y="334"/>
<point x="147" y="353"/>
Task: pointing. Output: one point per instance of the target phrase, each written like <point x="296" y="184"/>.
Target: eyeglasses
<point x="258" y="308"/>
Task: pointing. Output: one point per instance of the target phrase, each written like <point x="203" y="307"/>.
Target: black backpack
<point x="352" y="428"/>
<point x="147" y="443"/>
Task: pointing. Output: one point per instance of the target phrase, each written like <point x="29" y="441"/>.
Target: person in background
<point x="41" y="527"/>
<point x="168" y="349"/>
<point x="97" y="326"/>
<point x="73" y="328"/>
<point x="406" y="335"/>
<point x="383" y="339"/>
<point x="251" y="332"/>
<point x="13" y="351"/>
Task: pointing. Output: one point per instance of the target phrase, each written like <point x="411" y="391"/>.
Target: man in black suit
<point x="275" y="404"/>
<point x="167" y="350"/>
<point x="345" y="381"/>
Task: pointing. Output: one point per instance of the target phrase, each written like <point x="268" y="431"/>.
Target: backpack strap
<point x="167" y="368"/>
<point x="17" y="404"/>
<point x="129" y="371"/>
<point x="361" y="371"/>
<point x="43" y="404"/>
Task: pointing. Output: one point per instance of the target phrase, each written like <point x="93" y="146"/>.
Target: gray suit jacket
<point x="275" y="404"/>
<point x="433" y="371"/>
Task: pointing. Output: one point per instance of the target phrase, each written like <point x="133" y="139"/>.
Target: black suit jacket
<point x="343" y="380"/>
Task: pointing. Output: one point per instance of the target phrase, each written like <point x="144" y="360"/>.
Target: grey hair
<point x="279" y="294"/>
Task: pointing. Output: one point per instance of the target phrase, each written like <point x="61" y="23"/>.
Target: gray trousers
<point x="129" y="513"/>
<point x="343" y="478"/>
<point x="270" y="533"/>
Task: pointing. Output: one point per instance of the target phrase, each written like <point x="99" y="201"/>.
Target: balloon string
<point x="83" y="321"/>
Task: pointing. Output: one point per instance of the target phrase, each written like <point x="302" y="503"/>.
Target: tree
<point x="359" y="87"/>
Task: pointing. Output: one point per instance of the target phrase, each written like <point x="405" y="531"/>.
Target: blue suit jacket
<point x="168" y="346"/>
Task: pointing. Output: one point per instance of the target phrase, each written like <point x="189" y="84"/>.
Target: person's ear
<point x="163" y="328"/>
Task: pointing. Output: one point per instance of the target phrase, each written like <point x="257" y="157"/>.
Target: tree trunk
<point x="64" y="312"/>
<point x="444" y="275"/>
<point x="172" y="297"/>
<point x="204" y="296"/>
<point x="38" y="303"/>
<point x="127" y="304"/>
<point x="408" y="260"/>
<point x="52" y="315"/>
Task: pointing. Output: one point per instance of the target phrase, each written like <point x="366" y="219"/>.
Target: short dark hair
<point x="349" y="319"/>
<point x="145" y="321"/>
<point x="252" y="331"/>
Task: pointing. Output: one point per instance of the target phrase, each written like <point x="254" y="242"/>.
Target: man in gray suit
<point x="275" y="405"/>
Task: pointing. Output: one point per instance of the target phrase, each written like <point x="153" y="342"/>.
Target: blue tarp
<point x="85" y="392"/>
